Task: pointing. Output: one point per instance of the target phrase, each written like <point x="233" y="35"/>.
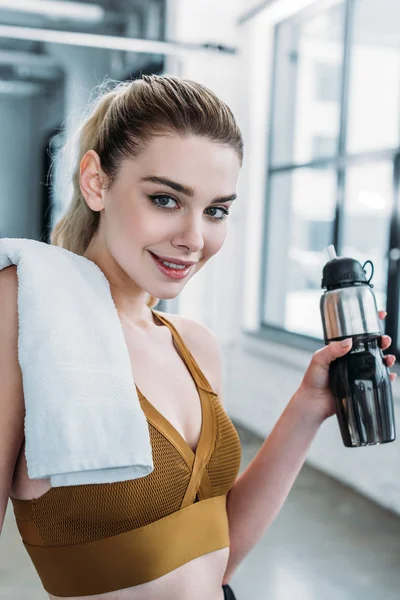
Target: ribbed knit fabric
<point x="222" y="467"/>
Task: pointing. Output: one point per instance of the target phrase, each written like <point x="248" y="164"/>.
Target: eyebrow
<point x="183" y="189"/>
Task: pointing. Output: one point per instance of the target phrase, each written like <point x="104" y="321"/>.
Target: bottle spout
<point x="331" y="252"/>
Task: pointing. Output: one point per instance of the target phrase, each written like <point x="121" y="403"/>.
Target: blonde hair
<point x="123" y="117"/>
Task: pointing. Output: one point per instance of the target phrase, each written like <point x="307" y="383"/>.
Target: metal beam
<point x="74" y="38"/>
<point x="56" y="9"/>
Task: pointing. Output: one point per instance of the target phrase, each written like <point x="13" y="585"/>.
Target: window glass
<point x="307" y="89"/>
<point x="302" y="201"/>
<point x="366" y="220"/>
<point x="374" y="90"/>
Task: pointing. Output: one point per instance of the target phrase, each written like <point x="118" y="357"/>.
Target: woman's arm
<point x="260" y="491"/>
<point x="12" y="407"/>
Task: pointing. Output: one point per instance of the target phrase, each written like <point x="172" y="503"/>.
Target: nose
<point x="190" y="234"/>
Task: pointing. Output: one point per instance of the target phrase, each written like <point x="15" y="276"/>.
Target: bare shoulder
<point x="203" y="345"/>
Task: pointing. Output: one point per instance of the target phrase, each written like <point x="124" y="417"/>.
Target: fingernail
<point x="345" y="343"/>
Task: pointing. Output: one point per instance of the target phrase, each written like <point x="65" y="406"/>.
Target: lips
<point x="175" y="261"/>
<point x="169" y="271"/>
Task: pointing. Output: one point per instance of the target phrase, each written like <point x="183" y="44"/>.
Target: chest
<point x="163" y="378"/>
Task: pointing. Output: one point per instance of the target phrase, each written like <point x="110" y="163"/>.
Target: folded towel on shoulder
<point x="83" y="419"/>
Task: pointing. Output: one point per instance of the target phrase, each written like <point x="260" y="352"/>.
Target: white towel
<point x="83" y="420"/>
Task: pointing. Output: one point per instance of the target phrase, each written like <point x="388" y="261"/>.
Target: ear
<point x="91" y="180"/>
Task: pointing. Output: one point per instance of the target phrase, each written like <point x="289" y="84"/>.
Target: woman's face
<point x="170" y="201"/>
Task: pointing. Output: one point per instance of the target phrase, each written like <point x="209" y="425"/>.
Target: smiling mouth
<point x="176" y="261"/>
<point x="178" y="273"/>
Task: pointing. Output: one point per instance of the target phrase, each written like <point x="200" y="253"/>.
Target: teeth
<point x="173" y="266"/>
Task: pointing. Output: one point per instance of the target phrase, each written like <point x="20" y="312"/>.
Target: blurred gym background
<point x="315" y="87"/>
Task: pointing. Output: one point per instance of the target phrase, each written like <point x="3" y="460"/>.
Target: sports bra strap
<point x="186" y="355"/>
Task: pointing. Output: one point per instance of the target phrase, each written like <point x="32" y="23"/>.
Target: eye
<point x="155" y="199"/>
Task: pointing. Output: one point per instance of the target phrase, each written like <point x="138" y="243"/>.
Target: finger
<point x="385" y="342"/>
<point x="382" y="314"/>
<point x="390" y="359"/>
<point x="393" y="376"/>
<point x="340" y="348"/>
<point x="324" y="356"/>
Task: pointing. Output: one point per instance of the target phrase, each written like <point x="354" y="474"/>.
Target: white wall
<point x="260" y="377"/>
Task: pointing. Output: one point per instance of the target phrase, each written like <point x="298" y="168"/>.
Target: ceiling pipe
<point x="74" y="38"/>
<point x="56" y="9"/>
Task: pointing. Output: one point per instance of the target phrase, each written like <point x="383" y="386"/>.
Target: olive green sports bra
<point x="98" y="538"/>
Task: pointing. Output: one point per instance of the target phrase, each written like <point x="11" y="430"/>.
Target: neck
<point x="143" y="324"/>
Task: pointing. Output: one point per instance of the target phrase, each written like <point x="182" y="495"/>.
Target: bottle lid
<point x="344" y="271"/>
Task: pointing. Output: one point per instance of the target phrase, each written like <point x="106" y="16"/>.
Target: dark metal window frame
<point x="339" y="163"/>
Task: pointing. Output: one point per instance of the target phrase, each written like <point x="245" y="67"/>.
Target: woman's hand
<point x="314" y="389"/>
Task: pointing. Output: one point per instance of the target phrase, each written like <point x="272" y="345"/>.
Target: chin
<point x="166" y="296"/>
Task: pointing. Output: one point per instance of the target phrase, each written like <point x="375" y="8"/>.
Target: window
<point x="374" y="76"/>
<point x="322" y="146"/>
<point x="309" y="53"/>
<point x="292" y="300"/>
<point x="334" y="160"/>
<point x="327" y="82"/>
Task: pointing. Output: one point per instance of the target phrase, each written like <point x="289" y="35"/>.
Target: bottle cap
<point x="343" y="271"/>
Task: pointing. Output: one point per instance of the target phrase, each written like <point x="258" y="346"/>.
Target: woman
<point x="156" y="175"/>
